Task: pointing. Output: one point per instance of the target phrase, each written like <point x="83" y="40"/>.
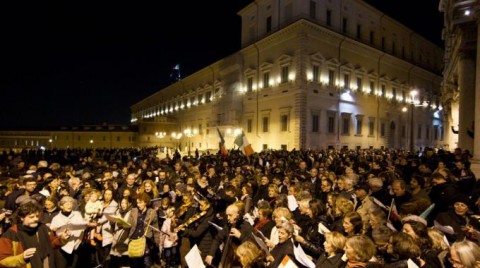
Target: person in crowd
<point x="168" y="239"/>
<point x="280" y="215"/>
<point x="359" y="250"/>
<point x="465" y="254"/>
<point x="265" y="222"/>
<point x="442" y="194"/>
<point x="342" y="207"/>
<point x="381" y="237"/>
<point x="72" y="221"/>
<point x="334" y="250"/>
<point x="284" y="246"/>
<point x="400" y="193"/>
<point x="416" y="228"/>
<point x="439" y="245"/>
<point x="143" y="221"/>
<point x="417" y="185"/>
<point x="352" y="224"/>
<point x="403" y="248"/>
<point x="309" y="237"/>
<point x="457" y="218"/>
<point x="29" y="242"/>
<point x="250" y="255"/>
<point x="93" y="212"/>
<point x="50" y="210"/>
<point x="363" y="204"/>
<point x="118" y="250"/>
<point x="109" y="207"/>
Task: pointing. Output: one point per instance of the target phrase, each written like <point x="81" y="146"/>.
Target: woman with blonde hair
<point x="465" y="254"/>
<point x="250" y="255"/>
<point x="149" y="187"/>
<point x="334" y="245"/>
<point x="280" y="215"/>
<point x="359" y="249"/>
<point x="438" y="244"/>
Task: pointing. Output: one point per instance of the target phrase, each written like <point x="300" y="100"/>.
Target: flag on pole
<point x="392" y="212"/>
<point x="243" y="144"/>
<point x="221" y="144"/>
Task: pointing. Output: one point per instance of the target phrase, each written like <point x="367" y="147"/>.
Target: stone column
<point x="466" y="84"/>
<point x="476" y="141"/>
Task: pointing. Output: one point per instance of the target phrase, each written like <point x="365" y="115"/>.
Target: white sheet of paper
<point x="411" y="264"/>
<point x="194" y="259"/>
<point x="302" y="257"/>
<point x="322" y="228"/>
<point x="292" y="202"/>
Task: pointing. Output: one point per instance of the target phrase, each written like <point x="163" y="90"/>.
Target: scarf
<point x="35" y="238"/>
<point x="261" y="223"/>
<point x="356" y="264"/>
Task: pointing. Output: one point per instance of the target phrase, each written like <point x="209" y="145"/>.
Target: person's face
<point x="107" y="196"/>
<point x="170" y="213"/>
<point x="130" y="180"/>
<point x="460" y="208"/>
<point x="278" y="221"/>
<point x="407" y="228"/>
<point x="361" y="194"/>
<point x="93" y="197"/>
<point x="313" y="172"/>
<point x="67" y="206"/>
<point x="232" y="215"/>
<point x="30" y="186"/>
<point x="126" y="193"/>
<point x="325" y="186"/>
<point x="414" y="184"/>
<point x="303" y="165"/>
<point x="49" y="205"/>
<point x="166" y="188"/>
<point x="162" y="175"/>
<point x="347" y="225"/>
<point x="54" y="184"/>
<point x="397" y="189"/>
<point x="124" y="204"/>
<point x="283" y="235"/>
<point x="350" y="252"/>
<point x="341" y="185"/>
<point x="203" y="180"/>
<point x="141" y="205"/>
<point x="31" y="220"/>
<point x="272" y="193"/>
<point x="455" y="259"/>
<point x="328" y="247"/>
<point x="459" y="165"/>
<point x="148" y="187"/>
<point x="264" y="181"/>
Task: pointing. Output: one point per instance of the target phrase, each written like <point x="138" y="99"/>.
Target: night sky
<point x="66" y="63"/>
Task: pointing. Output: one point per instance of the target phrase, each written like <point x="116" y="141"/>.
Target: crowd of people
<point x="275" y="208"/>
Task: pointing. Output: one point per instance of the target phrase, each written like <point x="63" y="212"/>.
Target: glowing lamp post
<point x="189" y="133"/>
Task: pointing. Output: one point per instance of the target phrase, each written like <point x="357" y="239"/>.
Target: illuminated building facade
<point x="461" y="84"/>
<point x="310" y="74"/>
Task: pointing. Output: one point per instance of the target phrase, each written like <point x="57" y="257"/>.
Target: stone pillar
<point x="476" y="141"/>
<point x="466" y="84"/>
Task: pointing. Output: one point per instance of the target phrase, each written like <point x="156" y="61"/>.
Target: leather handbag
<point x="137" y="247"/>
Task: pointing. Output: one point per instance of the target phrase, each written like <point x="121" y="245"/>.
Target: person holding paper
<point x="284" y="246"/>
<point x="119" y="249"/>
<point x="73" y="221"/>
<point x="29" y="242"/>
<point x="309" y="237"/>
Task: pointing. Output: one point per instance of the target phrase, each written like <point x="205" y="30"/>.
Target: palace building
<point x="309" y="74"/>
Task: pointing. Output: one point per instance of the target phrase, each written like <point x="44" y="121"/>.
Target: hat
<point x="23" y="199"/>
<point x="462" y="198"/>
<point x="414" y="218"/>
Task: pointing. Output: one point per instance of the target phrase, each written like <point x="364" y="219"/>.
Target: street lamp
<point x="91" y="143"/>
<point x="176" y="136"/>
<point x="190" y="133"/>
<point x="51" y="142"/>
<point x="160" y="135"/>
<point x="413" y="103"/>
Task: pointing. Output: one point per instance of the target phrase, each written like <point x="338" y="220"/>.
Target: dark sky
<point x="78" y="62"/>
